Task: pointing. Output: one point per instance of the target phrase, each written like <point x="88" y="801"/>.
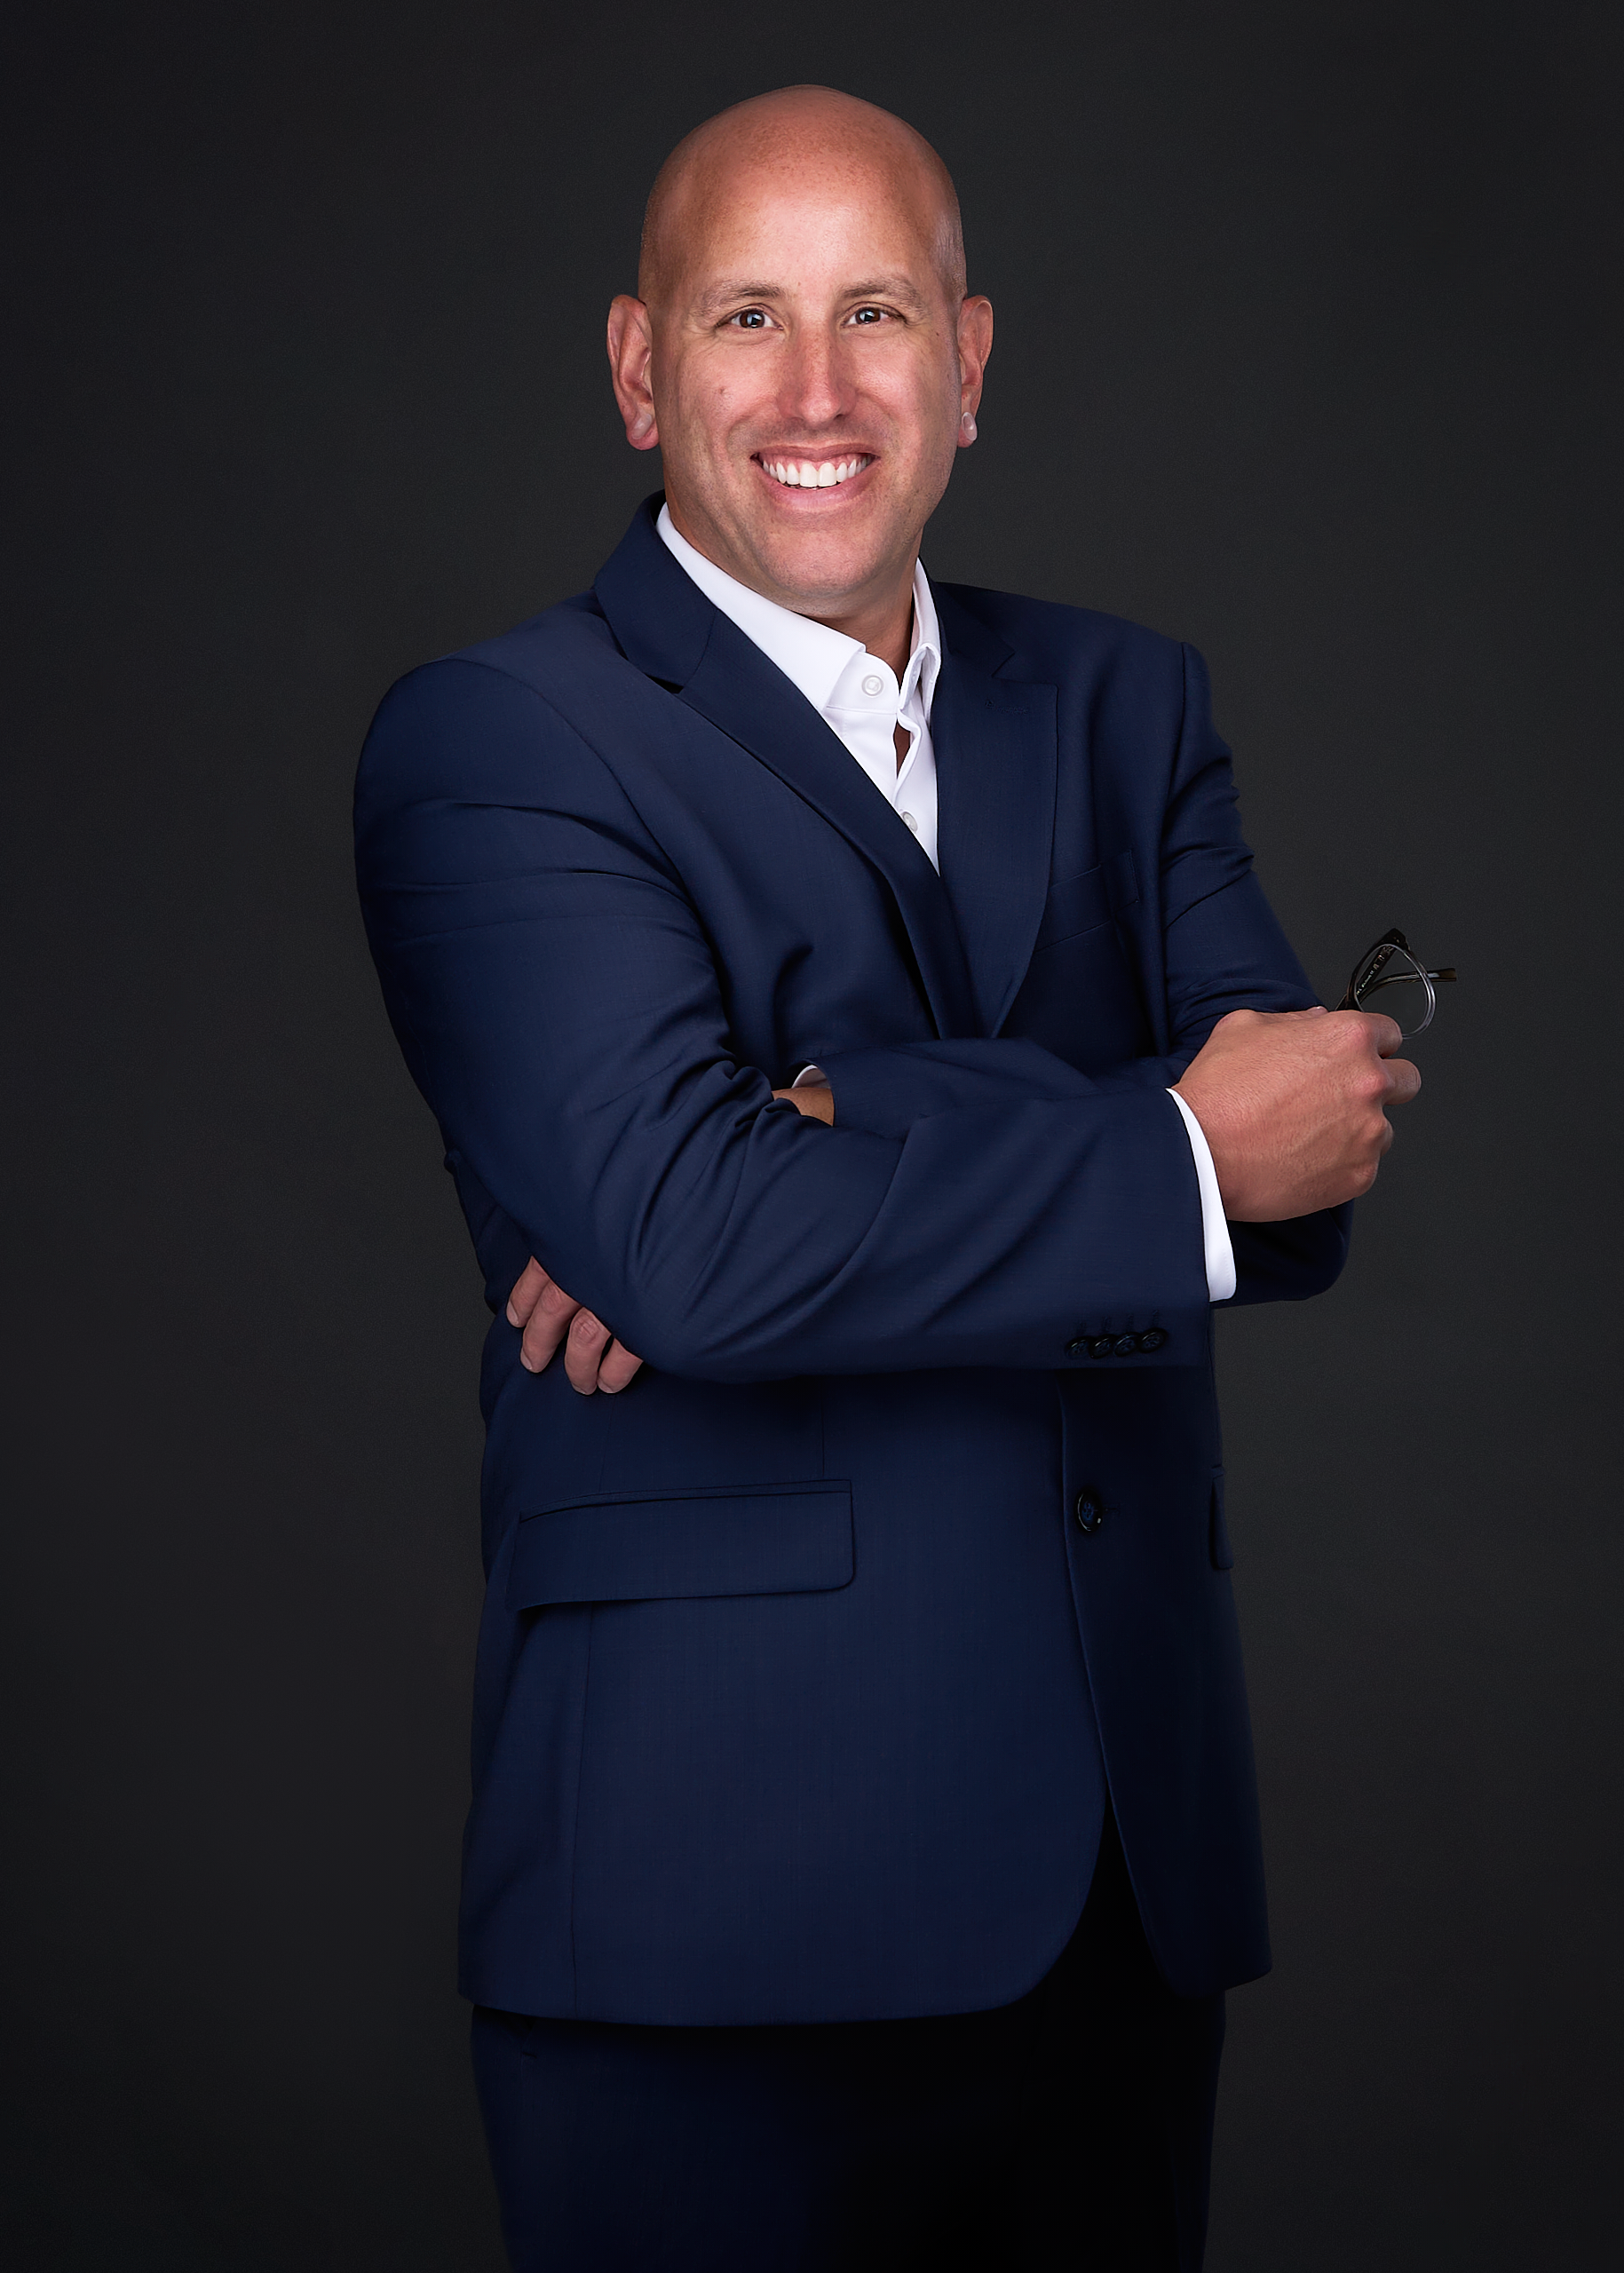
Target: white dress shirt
<point x="854" y="690"/>
<point x="860" y="699"/>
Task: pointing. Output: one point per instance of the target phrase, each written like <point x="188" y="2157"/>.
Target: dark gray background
<point x="1301" y="356"/>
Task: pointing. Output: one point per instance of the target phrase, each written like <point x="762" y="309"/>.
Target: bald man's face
<point x="804" y="367"/>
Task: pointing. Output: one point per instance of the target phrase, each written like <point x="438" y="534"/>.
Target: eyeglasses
<point x="1408" y="989"/>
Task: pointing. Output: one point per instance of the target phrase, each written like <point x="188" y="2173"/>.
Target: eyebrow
<point x="888" y="288"/>
<point x="884" y="288"/>
<point x="719" y="295"/>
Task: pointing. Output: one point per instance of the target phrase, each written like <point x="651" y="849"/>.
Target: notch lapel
<point x="670" y="629"/>
<point x="996" y="742"/>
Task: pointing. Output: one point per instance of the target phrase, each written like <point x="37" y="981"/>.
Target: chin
<point x="817" y="568"/>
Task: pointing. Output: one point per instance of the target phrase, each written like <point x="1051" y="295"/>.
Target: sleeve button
<point x="1078" y="1349"/>
<point x="1126" y="1345"/>
<point x="1153" y="1339"/>
<point x="1101" y="1346"/>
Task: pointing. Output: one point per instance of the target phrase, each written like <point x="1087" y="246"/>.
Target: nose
<point x="815" y="389"/>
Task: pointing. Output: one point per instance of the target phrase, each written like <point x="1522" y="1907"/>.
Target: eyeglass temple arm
<point x="1350" y="1002"/>
<point x="1403" y="977"/>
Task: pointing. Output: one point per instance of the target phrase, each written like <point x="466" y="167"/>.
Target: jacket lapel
<point x="667" y="627"/>
<point x="996" y="752"/>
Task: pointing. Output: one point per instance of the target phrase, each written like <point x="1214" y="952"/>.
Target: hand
<point x="592" y="1357"/>
<point x="815" y="1099"/>
<point x="1293" y="1104"/>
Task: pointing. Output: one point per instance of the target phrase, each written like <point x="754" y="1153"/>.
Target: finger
<point x="1404" y="1080"/>
<point x="585" y="1345"/>
<point x="1386" y="1034"/>
<point x="548" y="1323"/>
<point x="616" y="1367"/>
<point x="527" y="1292"/>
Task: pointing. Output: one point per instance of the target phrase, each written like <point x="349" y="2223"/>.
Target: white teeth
<point x="800" y="473"/>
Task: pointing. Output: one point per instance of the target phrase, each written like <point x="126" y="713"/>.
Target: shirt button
<point x="1089" y="1511"/>
<point x="872" y="685"/>
<point x="912" y="823"/>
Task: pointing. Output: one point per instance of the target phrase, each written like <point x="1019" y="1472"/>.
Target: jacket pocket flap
<point x="764" y="1539"/>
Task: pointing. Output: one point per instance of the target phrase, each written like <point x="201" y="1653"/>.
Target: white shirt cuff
<point x="811" y="1077"/>
<point x="1215" y="1231"/>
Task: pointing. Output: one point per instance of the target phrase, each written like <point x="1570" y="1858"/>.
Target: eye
<point x="749" y="319"/>
<point x="869" y="315"/>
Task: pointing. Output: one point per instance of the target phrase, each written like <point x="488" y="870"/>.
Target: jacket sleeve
<point x="1219" y="947"/>
<point x="890" y="1089"/>
<point x="557" y="1000"/>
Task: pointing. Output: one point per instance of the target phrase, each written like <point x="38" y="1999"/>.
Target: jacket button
<point x="1101" y="1346"/>
<point x="1089" y="1511"/>
<point x="1077" y="1349"/>
<point x="1153" y="1339"/>
<point x="1126" y="1345"/>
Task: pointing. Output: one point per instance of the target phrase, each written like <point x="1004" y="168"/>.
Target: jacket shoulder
<point x="1054" y="640"/>
<point x="488" y="714"/>
<point x="570" y="637"/>
<point x="549" y="652"/>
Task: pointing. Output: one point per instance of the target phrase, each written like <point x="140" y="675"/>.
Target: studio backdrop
<point x="1302" y="356"/>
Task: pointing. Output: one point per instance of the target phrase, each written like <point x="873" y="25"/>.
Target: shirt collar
<point x="810" y="656"/>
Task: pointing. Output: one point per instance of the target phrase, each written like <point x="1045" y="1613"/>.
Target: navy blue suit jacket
<point x="800" y="1685"/>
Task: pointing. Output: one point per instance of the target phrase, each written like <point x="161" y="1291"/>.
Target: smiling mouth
<point x="814" y="473"/>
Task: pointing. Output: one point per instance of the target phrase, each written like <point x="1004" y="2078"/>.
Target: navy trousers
<point x="1069" y="2130"/>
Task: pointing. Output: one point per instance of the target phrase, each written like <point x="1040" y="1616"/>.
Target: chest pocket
<point x="1078" y="998"/>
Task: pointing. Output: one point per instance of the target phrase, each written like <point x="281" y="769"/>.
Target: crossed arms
<point x="1293" y="1104"/>
<point x="559" y="1005"/>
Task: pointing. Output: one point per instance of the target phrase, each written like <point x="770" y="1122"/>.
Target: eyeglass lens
<point x="1391" y="981"/>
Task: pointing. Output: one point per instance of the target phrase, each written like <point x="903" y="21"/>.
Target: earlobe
<point x="967" y="429"/>
<point x="630" y="347"/>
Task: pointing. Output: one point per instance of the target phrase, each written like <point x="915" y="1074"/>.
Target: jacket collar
<point x="972" y="928"/>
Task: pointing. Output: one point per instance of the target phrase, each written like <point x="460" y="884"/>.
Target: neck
<point x="886" y="628"/>
<point x="880" y="614"/>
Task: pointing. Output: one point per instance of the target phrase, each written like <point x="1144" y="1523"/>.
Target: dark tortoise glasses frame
<point x="1393" y="962"/>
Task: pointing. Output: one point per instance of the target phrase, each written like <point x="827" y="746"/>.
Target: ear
<point x="974" y="345"/>
<point x="632" y="343"/>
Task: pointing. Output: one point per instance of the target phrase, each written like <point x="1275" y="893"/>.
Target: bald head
<point x="796" y="135"/>
<point x="802" y="353"/>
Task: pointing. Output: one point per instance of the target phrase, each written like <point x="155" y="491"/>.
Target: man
<point x="850" y="996"/>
